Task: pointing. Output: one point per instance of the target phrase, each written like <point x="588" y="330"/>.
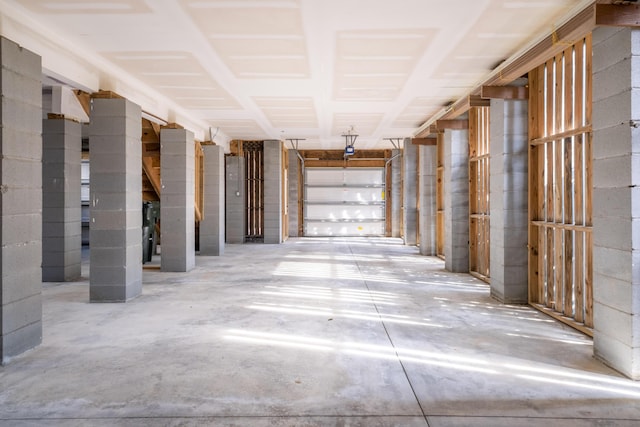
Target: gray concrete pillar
<point x="116" y="200"/>
<point x="177" y="200"/>
<point x="61" y="207"/>
<point x="508" y="200"/>
<point x="428" y="176"/>
<point x="273" y="191"/>
<point x="294" y="193"/>
<point x="236" y="210"/>
<point x="410" y="193"/>
<point x="20" y="200"/>
<point x="396" y="193"/>
<point x="212" y="224"/>
<point x="456" y="200"/>
<point x="616" y="198"/>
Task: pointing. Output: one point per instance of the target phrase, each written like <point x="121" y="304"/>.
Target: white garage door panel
<point x="331" y="194"/>
<point x="344" y="202"/>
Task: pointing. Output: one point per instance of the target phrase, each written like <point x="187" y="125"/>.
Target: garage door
<point x="344" y="202"/>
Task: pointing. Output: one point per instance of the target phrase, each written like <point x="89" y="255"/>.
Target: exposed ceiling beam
<point x="452" y="124"/>
<point x="618" y="15"/>
<point x="424" y="141"/>
<point x="504" y="92"/>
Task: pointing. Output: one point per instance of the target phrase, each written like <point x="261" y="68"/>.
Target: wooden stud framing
<point x="560" y="182"/>
<point x="504" y="92"/>
<point x="479" y="173"/>
<point x="618" y="15"/>
<point x="424" y="141"/>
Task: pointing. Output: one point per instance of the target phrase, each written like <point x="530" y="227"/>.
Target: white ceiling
<point x="277" y="69"/>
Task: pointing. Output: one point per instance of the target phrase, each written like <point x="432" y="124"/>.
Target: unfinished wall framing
<point x="560" y="187"/>
<point x="479" y="173"/>
<point x="253" y="153"/>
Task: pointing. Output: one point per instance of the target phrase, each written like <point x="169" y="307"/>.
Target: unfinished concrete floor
<point x="314" y="332"/>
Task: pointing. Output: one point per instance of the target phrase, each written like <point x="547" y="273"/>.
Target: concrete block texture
<point x="212" y="226"/>
<point x="616" y="199"/>
<point x="410" y="192"/>
<point x="235" y="214"/>
<point x="456" y="200"/>
<point x="21" y="199"/>
<point x="508" y="201"/>
<point x="273" y="191"/>
<point x="61" y="184"/>
<point x="396" y="194"/>
<point x="177" y="199"/>
<point x="116" y="200"/>
<point x="427" y="185"/>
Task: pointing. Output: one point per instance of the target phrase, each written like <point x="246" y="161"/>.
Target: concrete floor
<point x="314" y="332"/>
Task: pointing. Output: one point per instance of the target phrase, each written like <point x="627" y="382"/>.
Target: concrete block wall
<point x="177" y="200"/>
<point x="616" y="198"/>
<point x="116" y="200"/>
<point x="508" y="200"/>
<point x="61" y="207"/>
<point x="456" y="200"/>
<point x="212" y="225"/>
<point x="272" y="191"/>
<point x="294" y="197"/>
<point x="428" y="179"/>
<point x="236" y="213"/>
<point x="20" y="200"/>
<point x="396" y="193"/>
<point x="410" y="192"/>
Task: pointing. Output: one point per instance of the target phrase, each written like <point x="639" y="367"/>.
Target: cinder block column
<point x="410" y="192"/>
<point x="456" y="200"/>
<point x="273" y="191"/>
<point x="294" y="193"/>
<point x="428" y="179"/>
<point x="396" y="193"/>
<point x="236" y="213"/>
<point x="616" y="198"/>
<point x="177" y="200"/>
<point x="61" y="207"/>
<point x="508" y="200"/>
<point x="116" y="200"/>
<point x="20" y="200"/>
<point x="212" y="225"/>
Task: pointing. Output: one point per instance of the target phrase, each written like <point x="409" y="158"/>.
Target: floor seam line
<point x="386" y="331"/>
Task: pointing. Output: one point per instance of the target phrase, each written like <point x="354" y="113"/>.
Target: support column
<point x="508" y="200"/>
<point x="409" y="193"/>
<point x="236" y="213"/>
<point x="273" y="191"/>
<point x="456" y="200"/>
<point x="396" y="193"/>
<point x="428" y="179"/>
<point x="61" y="207"/>
<point x="294" y="193"/>
<point x="20" y="200"/>
<point x="177" y="200"/>
<point x="212" y="225"/>
<point x="116" y="200"/>
<point x="616" y="198"/>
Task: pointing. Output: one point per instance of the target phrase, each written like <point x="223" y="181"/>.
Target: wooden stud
<point x="105" y="94"/>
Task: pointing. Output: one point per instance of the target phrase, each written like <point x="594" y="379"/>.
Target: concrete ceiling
<point x="277" y="69"/>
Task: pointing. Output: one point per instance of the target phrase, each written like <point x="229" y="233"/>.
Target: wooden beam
<point x="105" y="94"/>
<point x="478" y="101"/>
<point x="618" y="15"/>
<point x="172" y="126"/>
<point x="84" y="99"/>
<point x="452" y="124"/>
<point x="424" y="141"/>
<point x="504" y="92"/>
